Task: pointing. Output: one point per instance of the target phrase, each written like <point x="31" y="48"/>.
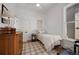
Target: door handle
<point x="77" y="27"/>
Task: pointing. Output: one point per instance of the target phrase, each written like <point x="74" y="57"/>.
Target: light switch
<point x="76" y="33"/>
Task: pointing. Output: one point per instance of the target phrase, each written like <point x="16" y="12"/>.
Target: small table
<point x="76" y="45"/>
<point x="34" y="37"/>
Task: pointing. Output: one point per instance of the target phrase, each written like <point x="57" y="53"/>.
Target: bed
<point x="49" y="40"/>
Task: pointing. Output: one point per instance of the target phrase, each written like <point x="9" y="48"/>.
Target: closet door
<point x="77" y="25"/>
<point x="71" y="22"/>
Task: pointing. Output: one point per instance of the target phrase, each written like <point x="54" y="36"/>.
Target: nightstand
<point x="34" y="37"/>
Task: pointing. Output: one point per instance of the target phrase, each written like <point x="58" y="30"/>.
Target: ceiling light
<point x="37" y="5"/>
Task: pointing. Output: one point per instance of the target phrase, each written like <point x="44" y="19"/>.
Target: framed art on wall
<point x="4" y="11"/>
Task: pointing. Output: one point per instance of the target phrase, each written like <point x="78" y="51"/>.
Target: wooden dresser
<point x="10" y="41"/>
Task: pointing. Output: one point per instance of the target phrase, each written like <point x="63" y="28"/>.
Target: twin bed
<point x="49" y="41"/>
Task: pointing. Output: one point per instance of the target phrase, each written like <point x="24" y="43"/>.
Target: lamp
<point x="5" y="17"/>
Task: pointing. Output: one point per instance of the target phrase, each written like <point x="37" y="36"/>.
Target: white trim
<point x="64" y="22"/>
<point x="71" y="22"/>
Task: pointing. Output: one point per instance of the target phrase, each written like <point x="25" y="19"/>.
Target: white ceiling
<point x="43" y="6"/>
<point x="17" y="7"/>
<point x="30" y="6"/>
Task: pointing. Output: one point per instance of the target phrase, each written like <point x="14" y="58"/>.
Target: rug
<point x="67" y="52"/>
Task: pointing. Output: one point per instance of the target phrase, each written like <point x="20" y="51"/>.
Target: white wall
<point x="27" y="20"/>
<point x="54" y="20"/>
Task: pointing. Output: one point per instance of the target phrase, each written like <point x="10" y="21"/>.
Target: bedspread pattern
<point x="49" y="41"/>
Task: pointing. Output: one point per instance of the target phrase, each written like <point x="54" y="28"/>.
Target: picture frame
<point x="3" y="10"/>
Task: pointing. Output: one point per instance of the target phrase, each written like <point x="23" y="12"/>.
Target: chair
<point x="76" y="45"/>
